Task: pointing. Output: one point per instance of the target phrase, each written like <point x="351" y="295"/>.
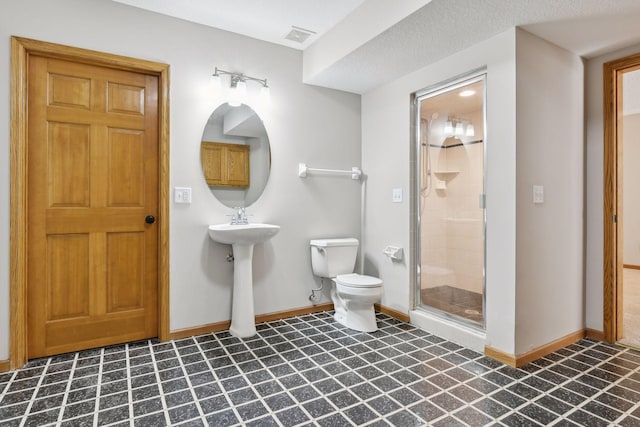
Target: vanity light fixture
<point x="455" y="127"/>
<point x="238" y="84"/>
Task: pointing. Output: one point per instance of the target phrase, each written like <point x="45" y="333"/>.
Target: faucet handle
<point x="237" y="215"/>
<point x="242" y="216"/>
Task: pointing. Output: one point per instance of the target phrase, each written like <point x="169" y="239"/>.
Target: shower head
<point x="433" y="117"/>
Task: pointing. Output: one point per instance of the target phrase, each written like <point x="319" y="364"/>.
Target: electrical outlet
<point x="182" y="195"/>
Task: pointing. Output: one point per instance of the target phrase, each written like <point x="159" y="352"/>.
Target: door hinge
<point x="614" y="218"/>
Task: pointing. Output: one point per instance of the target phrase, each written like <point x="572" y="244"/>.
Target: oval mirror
<point x="235" y="155"/>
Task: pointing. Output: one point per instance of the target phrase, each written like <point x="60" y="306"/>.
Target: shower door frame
<point x="425" y="93"/>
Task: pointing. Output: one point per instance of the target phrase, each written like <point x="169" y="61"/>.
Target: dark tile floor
<point x="308" y="370"/>
<point x="459" y="302"/>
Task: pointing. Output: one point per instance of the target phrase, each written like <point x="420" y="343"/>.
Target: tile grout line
<point x="243" y="374"/>
<point x="129" y="388"/>
<point x="188" y="379"/>
<point x="219" y="380"/>
<point x="353" y="371"/>
<point x="588" y="399"/>
<point x="35" y="392"/>
<point x="276" y="379"/>
<point x="99" y="388"/>
<point x="127" y="360"/>
<point x="165" y="411"/>
<point x="575" y="408"/>
<point x="67" y="389"/>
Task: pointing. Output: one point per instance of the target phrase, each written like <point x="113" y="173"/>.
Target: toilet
<point x="353" y="294"/>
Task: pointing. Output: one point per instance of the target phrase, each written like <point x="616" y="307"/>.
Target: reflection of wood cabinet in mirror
<point x="235" y="178"/>
<point x="225" y="165"/>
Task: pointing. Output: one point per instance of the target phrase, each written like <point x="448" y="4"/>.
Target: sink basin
<point x="244" y="234"/>
<point x="242" y="237"/>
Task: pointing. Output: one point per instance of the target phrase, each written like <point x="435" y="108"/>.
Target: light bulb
<point x="234" y="97"/>
<point x="459" y="129"/>
<point x="237" y="93"/>
<point x="448" y="128"/>
<point x="215" y="82"/>
<point x="471" y="130"/>
<point x="265" y="94"/>
<point x="241" y="87"/>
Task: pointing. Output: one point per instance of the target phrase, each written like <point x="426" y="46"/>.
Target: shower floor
<point x="459" y="302"/>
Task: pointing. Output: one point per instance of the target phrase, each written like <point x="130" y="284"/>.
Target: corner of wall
<point x="550" y="153"/>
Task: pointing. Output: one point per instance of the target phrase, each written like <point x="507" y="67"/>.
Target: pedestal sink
<point x="242" y="237"/>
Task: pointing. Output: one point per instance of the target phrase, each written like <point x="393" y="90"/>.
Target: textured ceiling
<point x="260" y="19"/>
<point x="443" y="27"/>
<point x="434" y="31"/>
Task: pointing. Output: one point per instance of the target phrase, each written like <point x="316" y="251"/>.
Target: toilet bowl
<point x="353" y="294"/>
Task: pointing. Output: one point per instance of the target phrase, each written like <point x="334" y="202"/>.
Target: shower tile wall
<point x="463" y="219"/>
<point x="452" y="227"/>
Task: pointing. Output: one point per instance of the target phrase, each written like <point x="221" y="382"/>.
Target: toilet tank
<point x="331" y="257"/>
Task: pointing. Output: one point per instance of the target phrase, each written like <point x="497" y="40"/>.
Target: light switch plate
<point x="538" y="194"/>
<point x="396" y="195"/>
<point x="182" y="194"/>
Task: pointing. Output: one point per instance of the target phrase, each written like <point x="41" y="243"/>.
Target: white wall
<point x="630" y="179"/>
<point x="305" y="124"/>
<point x="386" y="114"/>
<point x="550" y="152"/>
<point x="595" y="175"/>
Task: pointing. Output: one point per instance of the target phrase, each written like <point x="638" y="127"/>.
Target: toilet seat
<point x="355" y="280"/>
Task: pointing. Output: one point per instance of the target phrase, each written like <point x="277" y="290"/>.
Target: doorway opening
<point x="622" y="201"/>
<point x="450" y="247"/>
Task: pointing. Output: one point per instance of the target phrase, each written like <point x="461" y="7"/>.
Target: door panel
<point x="93" y="177"/>
<point x="125" y="254"/>
<point x="68" y="281"/>
<point x="68" y="164"/>
<point x="126" y="167"/>
<point x="69" y="91"/>
<point x="125" y="99"/>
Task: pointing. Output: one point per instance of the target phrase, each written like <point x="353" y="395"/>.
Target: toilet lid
<point x="358" y="280"/>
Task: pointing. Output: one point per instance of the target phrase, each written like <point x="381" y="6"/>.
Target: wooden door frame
<point x="21" y="49"/>
<point x="612" y="201"/>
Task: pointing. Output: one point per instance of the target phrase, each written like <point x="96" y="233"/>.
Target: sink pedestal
<point x="242" y="316"/>
<point x="242" y="237"/>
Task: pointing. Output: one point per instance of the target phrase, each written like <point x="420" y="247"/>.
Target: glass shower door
<point x="451" y="152"/>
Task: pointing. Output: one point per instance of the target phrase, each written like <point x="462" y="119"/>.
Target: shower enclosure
<point x="450" y="228"/>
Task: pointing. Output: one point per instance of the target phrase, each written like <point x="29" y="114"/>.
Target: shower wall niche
<point x="451" y="201"/>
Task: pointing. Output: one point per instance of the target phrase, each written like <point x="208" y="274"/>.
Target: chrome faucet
<point x="240" y="216"/>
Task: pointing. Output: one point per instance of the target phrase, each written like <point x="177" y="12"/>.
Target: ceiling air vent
<point x="298" y="34"/>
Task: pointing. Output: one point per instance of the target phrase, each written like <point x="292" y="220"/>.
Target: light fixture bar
<point x="236" y="77"/>
<point x="457" y="127"/>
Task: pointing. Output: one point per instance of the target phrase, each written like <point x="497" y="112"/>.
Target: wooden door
<point x="92" y="267"/>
